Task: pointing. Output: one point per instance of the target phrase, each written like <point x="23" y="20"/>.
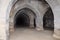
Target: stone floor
<point x="31" y="34"/>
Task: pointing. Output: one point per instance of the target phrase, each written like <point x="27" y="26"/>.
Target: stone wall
<point x="5" y="8"/>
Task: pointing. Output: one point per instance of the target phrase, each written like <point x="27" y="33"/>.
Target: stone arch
<point x="27" y="5"/>
<point x="12" y="3"/>
<point x="55" y="6"/>
<point x="22" y="18"/>
<point x="49" y="2"/>
<point x="29" y="13"/>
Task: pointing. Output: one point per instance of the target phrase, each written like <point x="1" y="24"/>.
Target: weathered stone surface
<point x="38" y="7"/>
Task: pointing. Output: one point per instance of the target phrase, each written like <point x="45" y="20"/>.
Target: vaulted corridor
<point x="24" y="18"/>
<point x="30" y="20"/>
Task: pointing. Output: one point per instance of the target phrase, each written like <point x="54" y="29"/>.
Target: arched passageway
<point x="48" y="20"/>
<point x="24" y="18"/>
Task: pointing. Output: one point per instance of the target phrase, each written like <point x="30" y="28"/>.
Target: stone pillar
<point x="57" y="29"/>
<point x="32" y="21"/>
<point x="31" y="24"/>
<point x="56" y="33"/>
<point x="11" y="23"/>
<point x="11" y="27"/>
<point x="39" y="23"/>
<point x="56" y="11"/>
<point x="3" y="23"/>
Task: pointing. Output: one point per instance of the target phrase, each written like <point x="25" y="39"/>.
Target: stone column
<point x="11" y="20"/>
<point x="31" y="20"/>
<point x="56" y="11"/>
<point x="11" y="27"/>
<point x="56" y="30"/>
<point x="3" y="23"/>
<point x="39" y="23"/>
<point x="32" y="23"/>
<point x="56" y="33"/>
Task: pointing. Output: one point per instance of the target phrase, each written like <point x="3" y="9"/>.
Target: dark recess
<point x="48" y="20"/>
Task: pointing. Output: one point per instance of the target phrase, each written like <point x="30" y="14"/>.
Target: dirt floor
<point x="31" y="34"/>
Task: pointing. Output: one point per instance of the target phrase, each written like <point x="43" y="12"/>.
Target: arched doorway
<point x="48" y="20"/>
<point x="25" y="17"/>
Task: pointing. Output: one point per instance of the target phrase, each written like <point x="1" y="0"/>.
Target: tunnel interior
<point x="48" y="20"/>
<point x="22" y="20"/>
